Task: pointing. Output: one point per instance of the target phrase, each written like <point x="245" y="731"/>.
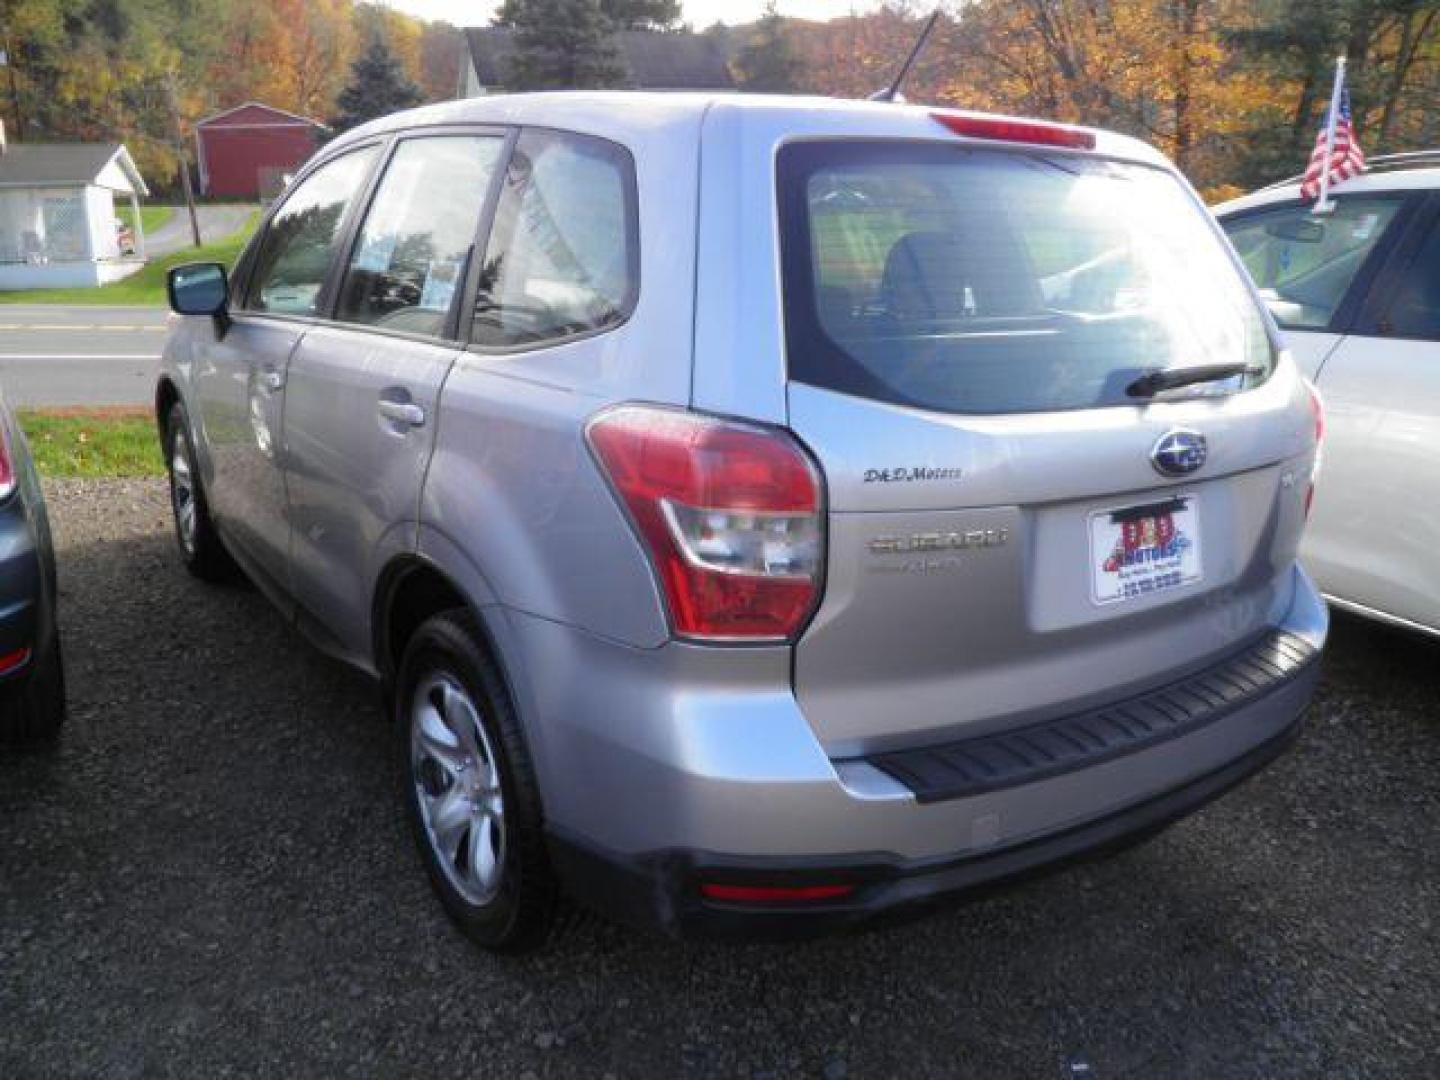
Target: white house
<point x="57" y="214"/>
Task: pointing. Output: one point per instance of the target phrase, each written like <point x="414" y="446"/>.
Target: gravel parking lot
<point x="211" y="877"/>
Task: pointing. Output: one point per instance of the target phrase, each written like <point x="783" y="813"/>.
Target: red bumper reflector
<point x="10" y="661"/>
<point x="1021" y="131"/>
<point x="773" y="894"/>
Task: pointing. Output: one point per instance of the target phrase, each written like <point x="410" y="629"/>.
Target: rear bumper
<point x="661" y="891"/>
<point x="665" y="769"/>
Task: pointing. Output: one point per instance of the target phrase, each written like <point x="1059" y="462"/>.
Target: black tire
<point x="527" y="904"/>
<point x="201" y="551"/>
<point x="34" y="712"/>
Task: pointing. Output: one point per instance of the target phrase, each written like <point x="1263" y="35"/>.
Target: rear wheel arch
<point x="166" y="396"/>
<point x="410" y="590"/>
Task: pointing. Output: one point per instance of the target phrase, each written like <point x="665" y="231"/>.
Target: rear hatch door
<point x="1017" y="531"/>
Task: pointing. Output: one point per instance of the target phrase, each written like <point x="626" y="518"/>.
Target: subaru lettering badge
<point x="1179" y="452"/>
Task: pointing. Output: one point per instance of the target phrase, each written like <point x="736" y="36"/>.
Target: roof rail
<point x="1415" y="159"/>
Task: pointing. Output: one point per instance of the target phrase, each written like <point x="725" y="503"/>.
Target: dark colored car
<point x="32" y="673"/>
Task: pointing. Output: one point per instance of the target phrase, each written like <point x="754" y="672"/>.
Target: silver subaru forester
<point x="761" y="514"/>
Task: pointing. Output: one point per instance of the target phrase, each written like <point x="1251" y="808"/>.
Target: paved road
<point x="211" y="876"/>
<point x="216" y="223"/>
<point x="53" y="355"/>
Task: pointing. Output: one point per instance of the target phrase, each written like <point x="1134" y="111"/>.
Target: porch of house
<point x="58" y="226"/>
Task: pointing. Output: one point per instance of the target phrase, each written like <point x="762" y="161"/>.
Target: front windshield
<point x="983" y="281"/>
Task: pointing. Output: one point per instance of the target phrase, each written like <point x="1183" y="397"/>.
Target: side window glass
<point x="563" y="254"/>
<point x="295" y="255"/>
<point x="1415" y="310"/>
<point x="1304" y="263"/>
<point x="411" y="254"/>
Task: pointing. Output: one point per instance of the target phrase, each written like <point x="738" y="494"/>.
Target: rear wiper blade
<point x="1155" y="382"/>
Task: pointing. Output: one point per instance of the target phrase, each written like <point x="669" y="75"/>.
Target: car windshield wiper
<point x="1155" y="382"/>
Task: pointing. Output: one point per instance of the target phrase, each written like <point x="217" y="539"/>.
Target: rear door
<point x="1015" y="532"/>
<point x="1374" y="536"/>
<point x="363" y="390"/>
<point x="240" y="374"/>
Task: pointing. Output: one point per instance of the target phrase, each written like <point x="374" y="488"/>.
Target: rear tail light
<point x="7" y="467"/>
<point x="1004" y="129"/>
<point x="14" y="661"/>
<point x="730" y="515"/>
<point x="1317" y="414"/>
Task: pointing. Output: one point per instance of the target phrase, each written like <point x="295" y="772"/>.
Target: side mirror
<point x="199" y="289"/>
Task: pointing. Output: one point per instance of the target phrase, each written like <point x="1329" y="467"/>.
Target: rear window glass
<point x="982" y="281"/>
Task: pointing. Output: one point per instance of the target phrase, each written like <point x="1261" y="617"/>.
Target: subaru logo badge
<point x="1179" y="452"/>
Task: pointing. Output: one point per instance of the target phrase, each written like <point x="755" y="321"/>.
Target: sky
<point x="699" y="13"/>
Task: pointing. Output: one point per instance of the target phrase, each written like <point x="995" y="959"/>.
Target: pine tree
<point x="623" y="14"/>
<point x="378" y="86"/>
<point x="767" y="62"/>
<point x="642" y="14"/>
<point x="561" y="45"/>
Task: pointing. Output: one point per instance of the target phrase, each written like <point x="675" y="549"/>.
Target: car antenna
<point x="892" y="92"/>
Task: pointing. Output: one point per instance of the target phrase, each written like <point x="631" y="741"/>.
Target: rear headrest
<point x="925" y="277"/>
<point x="947" y="275"/>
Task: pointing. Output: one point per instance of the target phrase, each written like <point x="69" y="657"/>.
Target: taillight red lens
<point x="1317" y="413"/>
<point x="729" y="513"/>
<point x="1004" y="129"/>
<point x="7" y="468"/>
<point x="1317" y="410"/>
<point x="14" y="660"/>
<point x="773" y="894"/>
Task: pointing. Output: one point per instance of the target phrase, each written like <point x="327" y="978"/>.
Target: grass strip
<point x="152" y="217"/>
<point x="92" y="442"/>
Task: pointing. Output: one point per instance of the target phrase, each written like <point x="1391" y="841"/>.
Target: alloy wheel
<point x="182" y="491"/>
<point x="457" y="787"/>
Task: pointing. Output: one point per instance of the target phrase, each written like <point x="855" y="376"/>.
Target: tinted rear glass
<point x="983" y="281"/>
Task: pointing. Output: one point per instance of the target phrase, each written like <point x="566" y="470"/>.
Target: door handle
<point x="404" y="413"/>
<point x="272" y="381"/>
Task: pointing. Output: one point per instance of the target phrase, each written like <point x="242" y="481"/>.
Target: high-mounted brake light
<point x="729" y="514"/>
<point x="1020" y="131"/>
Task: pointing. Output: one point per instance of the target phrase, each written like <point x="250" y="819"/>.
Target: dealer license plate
<point x="1138" y="551"/>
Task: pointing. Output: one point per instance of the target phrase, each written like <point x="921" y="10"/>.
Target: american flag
<point x="1346" y="158"/>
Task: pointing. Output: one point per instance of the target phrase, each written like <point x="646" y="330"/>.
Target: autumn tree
<point x="767" y="63"/>
<point x="378" y="86"/>
<point x="854" y="56"/>
<point x="561" y="45"/>
<point x="441" y="47"/>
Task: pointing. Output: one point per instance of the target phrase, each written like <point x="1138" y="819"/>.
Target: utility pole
<point x="178" y="142"/>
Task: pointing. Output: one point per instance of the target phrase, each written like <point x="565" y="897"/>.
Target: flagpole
<point x="1323" y="205"/>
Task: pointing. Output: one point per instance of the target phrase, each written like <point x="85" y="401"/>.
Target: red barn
<point x="246" y="152"/>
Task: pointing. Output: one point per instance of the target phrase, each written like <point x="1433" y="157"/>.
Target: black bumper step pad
<point x="1009" y="759"/>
